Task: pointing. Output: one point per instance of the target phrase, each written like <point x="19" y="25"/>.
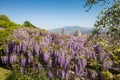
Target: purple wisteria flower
<point x="46" y="56"/>
<point x="23" y="62"/>
<point x="13" y="59"/>
<point x="56" y="53"/>
<point x="4" y="59"/>
<point x="50" y="75"/>
<point x="94" y="74"/>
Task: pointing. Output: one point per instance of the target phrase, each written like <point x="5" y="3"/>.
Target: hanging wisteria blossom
<point x="57" y="54"/>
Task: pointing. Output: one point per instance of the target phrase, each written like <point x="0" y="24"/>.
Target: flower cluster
<point x="60" y="55"/>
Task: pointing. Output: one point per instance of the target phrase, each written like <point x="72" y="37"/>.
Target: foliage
<point x="91" y="3"/>
<point x="4" y="74"/>
<point x="3" y="23"/>
<point x="107" y="75"/>
<point x="4" y="18"/>
<point x="33" y="74"/>
<point x="7" y="26"/>
<point x="28" y="24"/>
<point x="108" y="21"/>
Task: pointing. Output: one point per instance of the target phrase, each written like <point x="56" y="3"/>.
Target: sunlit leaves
<point x="4" y="18"/>
<point x="28" y="24"/>
<point x="109" y="21"/>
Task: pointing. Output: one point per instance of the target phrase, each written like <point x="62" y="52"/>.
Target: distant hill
<point x="72" y="29"/>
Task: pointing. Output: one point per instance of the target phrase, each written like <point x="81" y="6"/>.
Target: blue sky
<point x="50" y="14"/>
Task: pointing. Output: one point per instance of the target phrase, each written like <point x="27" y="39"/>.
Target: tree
<point x="108" y="19"/>
<point x="4" y="18"/>
<point x="6" y="22"/>
<point x="62" y="30"/>
<point x="91" y="3"/>
<point x="28" y="24"/>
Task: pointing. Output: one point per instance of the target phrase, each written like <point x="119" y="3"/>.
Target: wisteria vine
<point x="62" y="56"/>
